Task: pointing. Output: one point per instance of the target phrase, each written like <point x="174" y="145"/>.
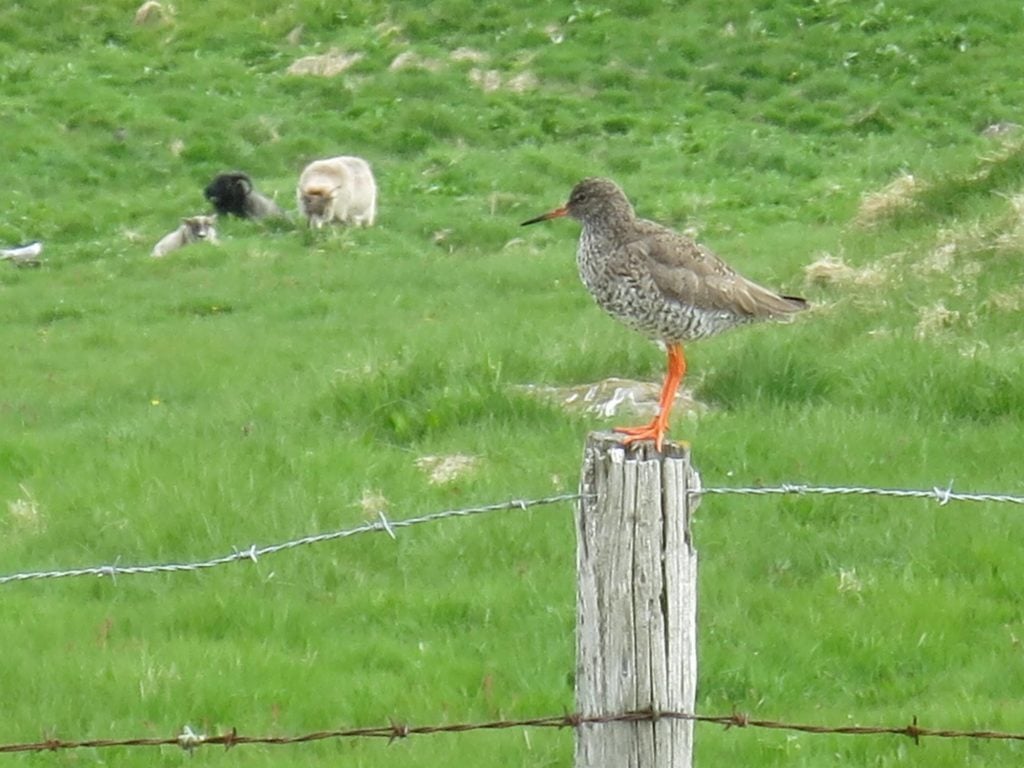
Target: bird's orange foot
<point x="654" y="431"/>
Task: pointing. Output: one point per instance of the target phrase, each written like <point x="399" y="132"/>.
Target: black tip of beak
<point x="563" y="211"/>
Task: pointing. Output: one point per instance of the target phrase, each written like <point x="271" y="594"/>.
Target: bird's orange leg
<point x="656" y="429"/>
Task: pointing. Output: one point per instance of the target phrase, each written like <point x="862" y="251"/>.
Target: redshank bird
<point x="660" y="283"/>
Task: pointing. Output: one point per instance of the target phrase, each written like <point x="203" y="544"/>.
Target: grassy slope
<point x="259" y="391"/>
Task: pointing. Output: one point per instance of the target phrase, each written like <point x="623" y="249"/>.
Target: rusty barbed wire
<point x="189" y="739"/>
<point x="942" y="495"/>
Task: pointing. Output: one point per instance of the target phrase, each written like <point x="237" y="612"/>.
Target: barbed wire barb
<point x="386" y="524"/>
<point x="943" y="496"/>
<point x="253" y="553"/>
<point x="189" y="740"/>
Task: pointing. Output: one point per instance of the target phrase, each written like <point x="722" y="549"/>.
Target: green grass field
<point x="286" y="383"/>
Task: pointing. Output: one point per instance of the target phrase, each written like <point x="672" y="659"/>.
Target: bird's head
<point x="591" y="198"/>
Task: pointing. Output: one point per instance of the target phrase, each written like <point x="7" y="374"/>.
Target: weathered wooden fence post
<point x="636" y="607"/>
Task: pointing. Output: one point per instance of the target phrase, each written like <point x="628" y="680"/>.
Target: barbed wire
<point x="937" y="493"/>
<point x="253" y="553"/>
<point x="188" y="739"/>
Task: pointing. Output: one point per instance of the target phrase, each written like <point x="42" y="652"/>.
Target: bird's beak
<point x="563" y="211"/>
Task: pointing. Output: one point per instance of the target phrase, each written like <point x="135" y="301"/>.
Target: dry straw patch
<point x="24" y="512"/>
<point x="1004" y="234"/>
<point x="1001" y="130"/>
<point x="1007" y="149"/>
<point x="328" y="64"/>
<point x="442" y="470"/>
<point x="895" y="197"/>
<point x="412" y="60"/>
<point x="934" y="320"/>
<point x="828" y="270"/>
<point x="523" y="82"/>
<point x="373" y="502"/>
<point x="555" y="34"/>
<point x="1012" y="239"/>
<point x="939" y="260"/>
<point x="468" y="54"/>
<point x="949" y="259"/>
<point x="850" y="581"/>
<point x="490" y="80"/>
<point x="832" y="270"/>
<point x="152" y="12"/>
<point x="1011" y="300"/>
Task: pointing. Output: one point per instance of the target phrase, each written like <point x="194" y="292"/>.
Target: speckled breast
<point x="631" y="296"/>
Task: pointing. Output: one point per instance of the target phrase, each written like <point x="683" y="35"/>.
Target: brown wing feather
<point x="690" y="273"/>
